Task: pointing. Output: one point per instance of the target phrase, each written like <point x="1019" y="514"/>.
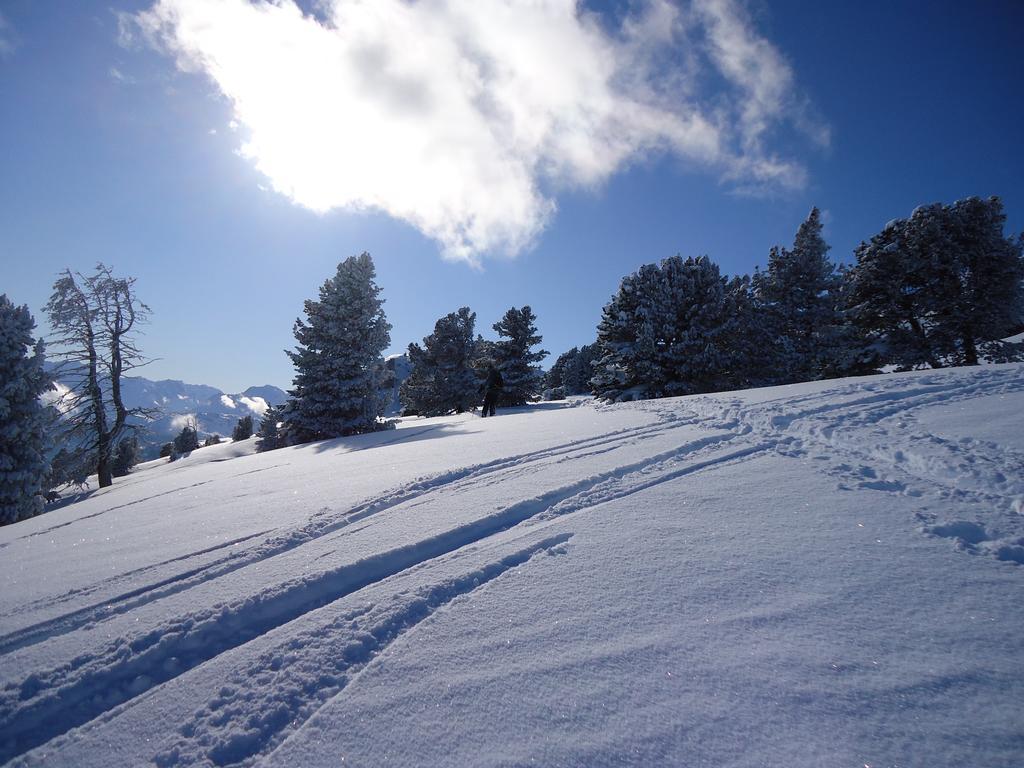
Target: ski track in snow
<point x="321" y="524"/>
<point x="47" y="704"/>
<point x="302" y="672"/>
<point x="860" y="433"/>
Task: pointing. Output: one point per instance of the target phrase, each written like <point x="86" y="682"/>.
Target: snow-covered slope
<point x="819" y="574"/>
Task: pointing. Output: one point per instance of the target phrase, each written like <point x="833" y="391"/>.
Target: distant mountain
<point x="179" y="403"/>
<point x="216" y="412"/>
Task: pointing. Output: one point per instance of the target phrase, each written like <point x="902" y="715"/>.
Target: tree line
<point x="342" y="383"/>
<point x="940" y="287"/>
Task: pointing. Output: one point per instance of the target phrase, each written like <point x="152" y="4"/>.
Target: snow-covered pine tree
<point x="695" y="343"/>
<point x="516" y="358"/>
<point x="579" y="369"/>
<point x="572" y="371"/>
<point x="670" y="330"/>
<point x="186" y="441"/>
<point x="985" y="300"/>
<point x="621" y="371"/>
<point x="338" y="359"/>
<point x="555" y="376"/>
<point x="243" y="429"/>
<point x="934" y="288"/>
<point x="24" y="439"/>
<point x="882" y="299"/>
<point x="485" y="354"/>
<point x="798" y="297"/>
<point x="747" y="339"/>
<point x="442" y="379"/>
<point x="126" y="455"/>
<point x="269" y="437"/>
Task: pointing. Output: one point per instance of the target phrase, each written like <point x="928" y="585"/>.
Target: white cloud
<point x="121" y="77"/>
<point x="7" y="38"/>
<point x="255" y="404"/>
<point x="466" y="117"/>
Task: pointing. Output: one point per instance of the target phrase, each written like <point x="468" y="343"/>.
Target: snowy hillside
<point x="811" y="575"/>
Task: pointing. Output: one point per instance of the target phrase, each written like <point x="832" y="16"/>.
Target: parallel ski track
<point x="320" y="524"/>
<point x="48" y="704"/>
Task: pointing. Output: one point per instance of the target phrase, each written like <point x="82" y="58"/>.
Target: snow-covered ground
<point x="819" y="574"/>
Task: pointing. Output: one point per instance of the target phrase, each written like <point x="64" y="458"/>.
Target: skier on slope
<point x="492" y="389"/>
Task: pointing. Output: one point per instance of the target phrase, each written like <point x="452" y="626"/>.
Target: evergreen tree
<point x="485" y="354"/>
<point x="338" y="359"/>
<point x="671" y="329"/>
<point x="579" y="371"/>
<point x="24" y="441"/>
<point x="270" y="435"/>
<point x="747" y="337"/>
<point x="443" y="378"/>
<point x="555" y="377"/>
<point x="515" y="357"/>
<point x="696" y="345"/>
<point x="935" y="288"/>
<point x="798" y="297"/>
<point x="619" y="370"/>
<point x="187" y="440"/>
<point x="126" y="455"/>
<point x="243" y="429"/>
<point x="572" y="371"/>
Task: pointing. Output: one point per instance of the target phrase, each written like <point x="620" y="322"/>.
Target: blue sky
<point x="584" y="147"/>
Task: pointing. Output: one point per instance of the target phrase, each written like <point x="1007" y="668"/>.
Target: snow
<point x="816" y="574"/>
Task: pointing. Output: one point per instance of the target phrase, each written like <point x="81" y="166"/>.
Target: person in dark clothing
<point x="492" y="389"/>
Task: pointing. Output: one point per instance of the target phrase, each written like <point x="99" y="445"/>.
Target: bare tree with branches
<point x="95" y="321"/>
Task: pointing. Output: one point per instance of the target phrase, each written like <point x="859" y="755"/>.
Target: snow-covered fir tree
<point x="747" y="338"/>
<point x="270" y="436"/>
<point x="24" y="442"/>
<point x="698" y="341"/>
<point x="243" y="429"/>
<point x="579" y="371"/>
<point x="126" y="455"/>
<point x="338" y="360"/>
<point x="939" y="286"/>
<point x="555" y="376"/>
<point x="571" y="372"/>
<point x="186" y="441"/>
<point x="442" y="378"/>
<point x="671" y="329"/>
<point x="798" y="297"/>
<point x="516" y="357"/>
<point x="619" y="368"/>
